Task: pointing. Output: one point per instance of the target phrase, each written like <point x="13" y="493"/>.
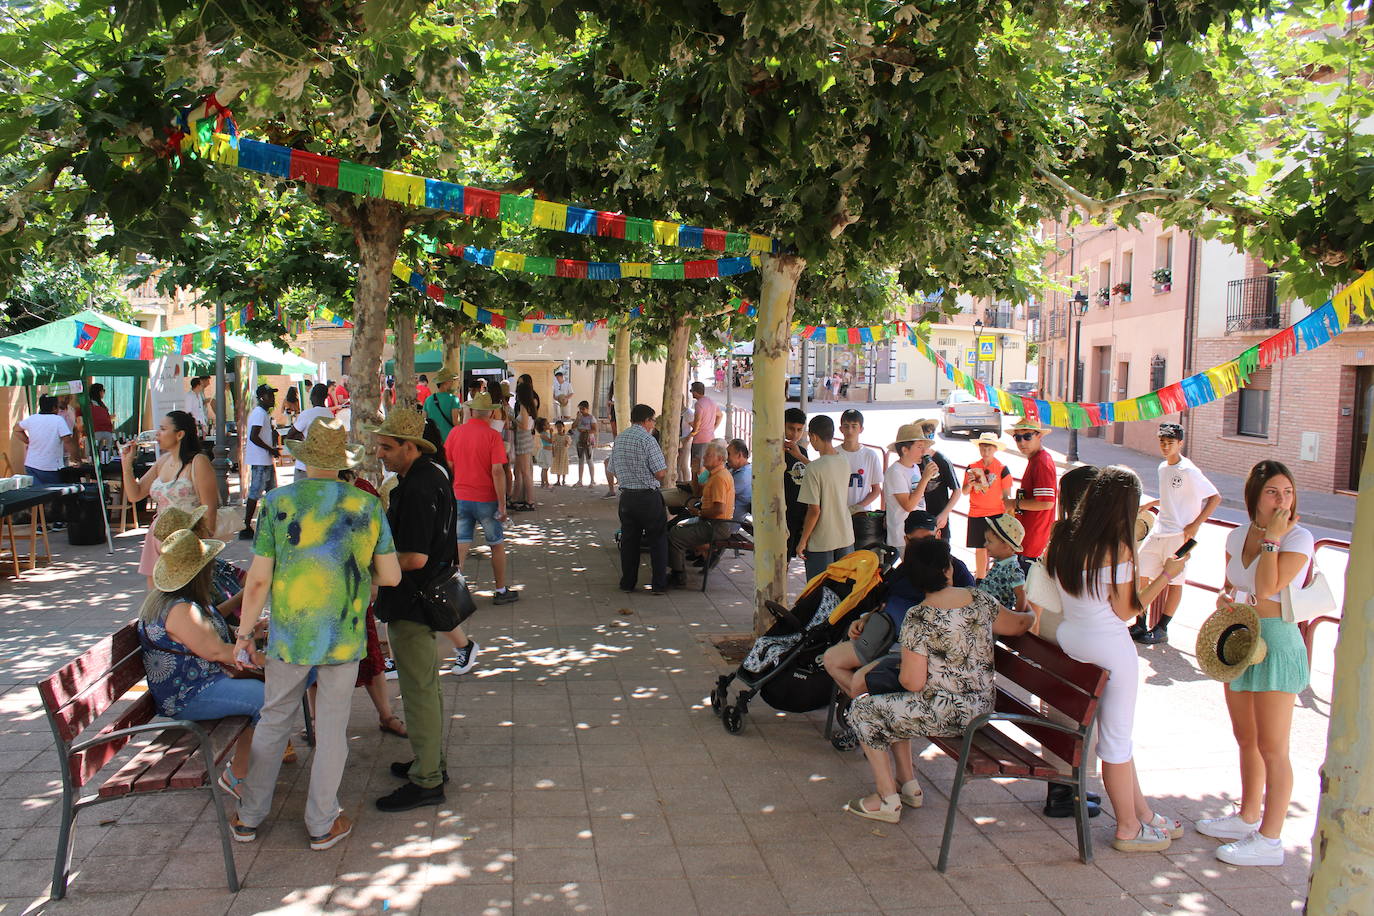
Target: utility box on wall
<point x="1309" y="446"/>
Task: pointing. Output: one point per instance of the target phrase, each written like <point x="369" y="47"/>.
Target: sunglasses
<point x="1024" y="437"/>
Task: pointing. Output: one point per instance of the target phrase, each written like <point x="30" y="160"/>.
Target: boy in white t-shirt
<point x="865" y="465"/>
<point x="260" y="453"/>
<point x="903" y="484"/>
<point x="1186" y="500"/>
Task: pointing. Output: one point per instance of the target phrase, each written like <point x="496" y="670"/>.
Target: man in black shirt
<point x="794" y="462"/>
<point x="422" y="514"/>
<point x="942" y="491"/>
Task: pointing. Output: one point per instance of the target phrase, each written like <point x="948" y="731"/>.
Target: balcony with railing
<point x="1252" y="304"/>
<point x="998" y="318"/>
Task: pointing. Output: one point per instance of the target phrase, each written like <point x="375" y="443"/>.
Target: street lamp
<point x="977" y="347"/>
<point x="1078" y="308"/>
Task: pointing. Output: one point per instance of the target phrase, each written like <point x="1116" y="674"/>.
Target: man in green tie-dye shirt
<point x="321" y="546"/>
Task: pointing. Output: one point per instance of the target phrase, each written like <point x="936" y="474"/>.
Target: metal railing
<point x="1252" y="304"/>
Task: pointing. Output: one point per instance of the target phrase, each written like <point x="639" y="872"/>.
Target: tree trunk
<point x="405" y="360"/>
<point x="674" y="385"/>
<point x="595" y="399"/>
<point x="453" y="347"/>
<point x="1343" y="845"/>
<point x="621" y="391"/>
<point x="771" y="341"/>
<point x="380" y="224"/>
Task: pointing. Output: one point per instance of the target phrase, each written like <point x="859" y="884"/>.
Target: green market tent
<point x="474" y="357"/>
<point x="270" y="360"/>
<point x="23" y="367"/>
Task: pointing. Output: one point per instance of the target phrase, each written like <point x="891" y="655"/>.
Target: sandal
<point x="887" y="812"/>
<point x="911" y="794"/>
<point x="290" y="755"/>
<point x="1169" y="826"/>
<point x="229" y="782"/>
<point x="398" y="729"/>
<point x="1149" y="839"/>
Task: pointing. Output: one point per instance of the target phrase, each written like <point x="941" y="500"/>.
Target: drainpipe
<point x="1190" y="298"/>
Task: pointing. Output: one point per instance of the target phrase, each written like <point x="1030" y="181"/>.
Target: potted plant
<point x="1104" y="296"/>
<point x="1164" y="279"/>
<point x="1123" y="290"/>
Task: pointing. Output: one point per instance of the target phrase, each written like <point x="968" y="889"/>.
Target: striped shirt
<point x="635" y="458"/>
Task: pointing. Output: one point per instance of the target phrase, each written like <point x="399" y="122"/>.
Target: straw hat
<point x="479" y="401"/>
<point x="172" y="519"/>
<point x="183" y="556"/>
<point x="1008" y="529"/>
<point x="445" y="374"/>
<point x="1026" y="424"/>
<point x="989" y="439"/>
<point x="910" y="432"/>
<point x="1229" y="642"/>
<point x="325" y="446"/>
<point x="1144" y="524"/>
<point x="407" y="425"/>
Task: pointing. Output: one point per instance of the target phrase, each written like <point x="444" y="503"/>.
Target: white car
<point x="963" y="413"/>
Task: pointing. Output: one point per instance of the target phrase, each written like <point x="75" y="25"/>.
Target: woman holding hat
<point x="181" y="477"/>
<point x="1262" y="560"/>
<point x="187" y="647"/>
<point x="987" y="484"/>
<point x="903" y="485"/>
<point x="1091" y="558"/>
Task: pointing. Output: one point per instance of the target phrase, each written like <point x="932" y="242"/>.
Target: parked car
<point x="963" y="413"/>
<point x="794" y="389"/>
<point x="1023" y="389"/>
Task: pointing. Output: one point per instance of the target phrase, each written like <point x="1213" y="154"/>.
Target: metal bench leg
<point x="1080" y="811"/>
<point x="830" y="712"/>
<point x="309" y="722"/>
<point x="230" y="870"/>
<point x="66" y="838"/>
<point x="712" y="554"/>
<point x="950" y="815"/>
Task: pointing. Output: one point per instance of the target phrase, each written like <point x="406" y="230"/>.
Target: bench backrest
<point x="1070" y="687"/>
<point x="85" y="688"/>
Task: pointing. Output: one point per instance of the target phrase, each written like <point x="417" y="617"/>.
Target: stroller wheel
<point x="732" y="717"/>
<point x="716" y="700"/>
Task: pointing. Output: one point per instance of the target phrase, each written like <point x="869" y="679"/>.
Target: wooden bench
<point x="986" y="751"/>
<point x="740" y="539"/>
<point x="182" y="755"/>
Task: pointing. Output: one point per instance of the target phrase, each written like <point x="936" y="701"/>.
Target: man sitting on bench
<point x="714" y="521"/>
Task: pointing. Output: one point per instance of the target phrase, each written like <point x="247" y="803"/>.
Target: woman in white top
<point x="1262" y="559"/>
<point x="1091" y="558"/>
<point x="182" y="476"/>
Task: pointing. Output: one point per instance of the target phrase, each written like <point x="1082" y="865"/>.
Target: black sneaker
<point x="411" y="796"/>
<point x="401" y="770"/>
<point x="505" y="596"/>
<point x="246" y="534"/>
<point x="465" y="659"/>
<point x="1059" y="802"/>
<point x="677" y="580"/>
<point x="843" y="738"/>
<point x="1153" y="637"/>
<point x="1137" y="630"/>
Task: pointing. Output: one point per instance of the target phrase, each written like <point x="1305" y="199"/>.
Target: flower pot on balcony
<point x="1125" y="297"/>
<point x="1163" y="287"/>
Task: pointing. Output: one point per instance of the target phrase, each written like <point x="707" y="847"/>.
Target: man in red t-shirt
<point x="1034" y="505"/>
<point x="477" y="457"/>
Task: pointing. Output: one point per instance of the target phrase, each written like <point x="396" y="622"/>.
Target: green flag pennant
<point x="737" y="242"/>
<point x="666" y="271"/>
<point x="1150" y="406"/>
<point x="639" y="230"/>
<point x="517" y="209"/>
<point x="360" y="179"/>
<point x="1247" y="364"/>
<point x="545" y="267"/>
<point x="1078" y="416"/>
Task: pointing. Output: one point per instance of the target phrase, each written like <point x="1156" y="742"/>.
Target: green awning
<point x="23" y="367"/>
<point x="58" y="337"/>
<point x="474" y="357"/>
<point x="270" y="360"/>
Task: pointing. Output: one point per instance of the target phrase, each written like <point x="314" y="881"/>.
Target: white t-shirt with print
<point x="302" y="425"/>
<point x="898" y="479"/>
<point x="45" y="432"/>
<point x="253" y="454"/>
<point x="1182" y="491"/>
<point x="865" y="469"/>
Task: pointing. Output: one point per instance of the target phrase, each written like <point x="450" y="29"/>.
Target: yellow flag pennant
<point x="1059" y="414"/>
<point x="665" y="233"/>
<point x="1127" y="410"/>
<point x="635" y="269"/>
<point x="509" y="260"/>
<point x="403" y="188"/>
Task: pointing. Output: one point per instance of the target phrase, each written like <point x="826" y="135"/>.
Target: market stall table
<point x="35" y="499"/>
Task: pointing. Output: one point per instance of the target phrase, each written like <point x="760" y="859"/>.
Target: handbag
<point x="445" y="601"/>
<point x="879" y="633"/>
<point x="1041" y="592"/>
<point x="1314" y="599"/>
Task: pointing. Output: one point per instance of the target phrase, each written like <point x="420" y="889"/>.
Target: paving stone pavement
<point x="589" y="775"/>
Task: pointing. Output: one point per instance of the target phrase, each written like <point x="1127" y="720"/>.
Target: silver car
<point x="963" y="413"/>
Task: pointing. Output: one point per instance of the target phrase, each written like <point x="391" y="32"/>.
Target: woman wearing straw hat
<point x="1091" y="558"/>
<point x="1262" y="560"/>
<point x="187" y="646"/>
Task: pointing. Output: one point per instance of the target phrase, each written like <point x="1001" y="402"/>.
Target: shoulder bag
<point x="1041" y="592"/>
<point x="445" y="601"/>
<point x="1299" y="604"/>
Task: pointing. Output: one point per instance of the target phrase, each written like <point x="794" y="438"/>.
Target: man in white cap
<point x="321" y="545"/>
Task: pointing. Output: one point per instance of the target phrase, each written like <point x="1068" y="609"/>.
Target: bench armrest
<point x="1022" y="718"/>
<point x="180" y="724"/>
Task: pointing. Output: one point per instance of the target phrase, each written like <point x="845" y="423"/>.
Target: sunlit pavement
<point x="589" y="775"/>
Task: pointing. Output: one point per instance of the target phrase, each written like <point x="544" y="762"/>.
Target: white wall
<point x="1219" y="264"/>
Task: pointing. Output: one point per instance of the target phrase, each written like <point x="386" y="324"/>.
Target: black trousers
<point x="643" y="520"/>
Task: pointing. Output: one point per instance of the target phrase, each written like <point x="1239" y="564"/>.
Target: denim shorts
<point x="227" y="696"/>
<point x="264" y="478"/>
<point x="471" y="514"/>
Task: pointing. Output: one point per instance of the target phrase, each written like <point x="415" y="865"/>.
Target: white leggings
<point x="1115" y="651"/>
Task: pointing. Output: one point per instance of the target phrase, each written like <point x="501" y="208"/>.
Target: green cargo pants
<point x="412" y="647"/>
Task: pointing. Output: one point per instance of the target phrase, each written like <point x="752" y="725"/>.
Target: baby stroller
<point x="784" y="665"/>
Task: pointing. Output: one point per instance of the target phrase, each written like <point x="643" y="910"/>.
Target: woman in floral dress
<point x="941" y="681"/>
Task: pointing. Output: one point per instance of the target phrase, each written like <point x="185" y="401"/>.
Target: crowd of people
<point x="335" y="557"/>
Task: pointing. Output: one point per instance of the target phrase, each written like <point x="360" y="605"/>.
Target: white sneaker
<point x="465" y="658"/>
<point x="1253" y="850"/>
<point x="1230" y="827"/>
<point x="390" y="669"/>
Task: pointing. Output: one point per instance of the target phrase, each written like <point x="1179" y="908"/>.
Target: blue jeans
<point x="58" y="508"/>
<point x="817" y="560"/>
<point x="225" y="697"/>
<point x="471" y="514"/>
